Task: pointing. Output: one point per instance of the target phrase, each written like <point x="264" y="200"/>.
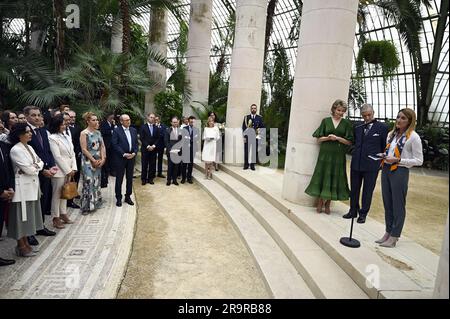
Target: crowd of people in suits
<point x="41" y="152"/>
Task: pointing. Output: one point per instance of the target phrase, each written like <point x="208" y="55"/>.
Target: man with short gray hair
<point x="370" y="139"/>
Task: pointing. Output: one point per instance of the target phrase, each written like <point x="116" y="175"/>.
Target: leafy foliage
<point x="168" y="104"/>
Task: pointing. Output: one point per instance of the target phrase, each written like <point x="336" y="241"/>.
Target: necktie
<point x="67" y="131"/>
<point x="1" y="154"/>
<point x="39" y="136"/>
<point x="151" y="130"/>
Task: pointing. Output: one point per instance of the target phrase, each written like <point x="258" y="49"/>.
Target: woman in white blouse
<point x="211" y="135"/>
<point x="403" y="151"/>
<point x="25" y="215"/>
<point x="62" y="150"/>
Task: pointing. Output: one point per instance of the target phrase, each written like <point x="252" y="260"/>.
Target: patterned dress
<point x="91" y="197"/>
<point x="329" y="180"/>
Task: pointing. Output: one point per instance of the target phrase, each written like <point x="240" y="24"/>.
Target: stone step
<point x="323" y="276"/>
<point x="409" y="269"/>
<point x="280" y="276"/>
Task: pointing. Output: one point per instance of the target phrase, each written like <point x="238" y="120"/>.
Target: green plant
<point x="168" y="104"/>
<point x="382" y="54"/>
<point x="435" y="146"/>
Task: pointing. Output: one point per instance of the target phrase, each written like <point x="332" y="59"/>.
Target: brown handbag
<point x="69" y="189"/>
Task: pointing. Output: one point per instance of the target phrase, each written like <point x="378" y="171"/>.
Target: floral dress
<point x="91" y="197"/>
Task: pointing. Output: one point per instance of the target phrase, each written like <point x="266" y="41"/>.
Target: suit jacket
<point x="64" y="155"/>
<point x="119" y="141"/>
<point x="257" y="123"/>
<point x="372" y="143"/>
<point x="192" y="138"/>
<point x="162" y="133"/>
<point x="107" y="133"/>
<point x="76" y="131"/>
<point x="6" y="170"/>
<point x="147" y="138"/>
<point x="44" y="152"/>
<point x="170" y="143"/>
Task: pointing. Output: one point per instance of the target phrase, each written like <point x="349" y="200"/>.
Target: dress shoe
<point x="65" y="219"/>
<point x="361" y="219"/>
<point x="23" y="253"/>
<point x="161" y="175"/>
<point x="57" y="223"/>
<point x="144" y="182"/>
<point x="349" y="215"/>
<point x="245" y="167"/>
<point x="129" y="201"/>
<point x="383" y="239"/>
<point x="175" y="183"/>
<point x="73" y="205"/>
<point x="190" y="181"/>
<point x="183" y="181"/>
<point x="252" y="167"/>
<point x="151" y="182"/>
<point x="119" y="203"/>
<point x="6" y="262"/>
<point x="32" y="241"/>
<point x="390" y="242"/>
<point x="45" y="232"/>
<point x="168" y="183"/>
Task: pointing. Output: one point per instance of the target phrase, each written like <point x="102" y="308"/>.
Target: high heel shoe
<point x="22" y="253"/>
<point x="65" y="219"/>
<point x="57" y="223"/>
<point x="383" y="239"/>
<point x="390" y="243"/>
<point x="327" y="207"/>
<point x="319" y="205"/>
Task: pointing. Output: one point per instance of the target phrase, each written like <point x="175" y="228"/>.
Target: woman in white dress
<point x="218" y="142"/>
<point x="211" y="135"/>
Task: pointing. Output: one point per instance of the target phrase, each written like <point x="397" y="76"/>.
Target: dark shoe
<point x="161" y="175"/>
<point x="245" y="167"/>
<point x="183" y="181"/>
<point x="144" y="182"/>
<point x="73" y="205"/>
<point x="349" y="215"/>
<point x="361" y="219"/>
<point x="151" y="182"/>
<point x="104" y="185"/>
<point x="45" y="232"/>
<point x="119" y="203"/>
<point x="6" y="262"/>
<point x="129" y="201"/>
<point x="168" y="183"/>
<point x="32" y="241"/>
<point x="252" y="167"/>
<point x="176" y="183"/>
<point x="190" y="181"/>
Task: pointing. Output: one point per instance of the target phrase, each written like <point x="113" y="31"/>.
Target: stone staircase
<point x="298" y="251"/>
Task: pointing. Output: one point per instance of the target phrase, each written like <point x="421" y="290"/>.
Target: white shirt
<point x="412" y="154"/>
<point x="128" y="135"/>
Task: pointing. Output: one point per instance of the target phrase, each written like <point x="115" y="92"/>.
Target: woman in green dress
<point x="329" y="181"/>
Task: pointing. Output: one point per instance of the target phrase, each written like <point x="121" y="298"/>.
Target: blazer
<point x="44" y="152"/>
<point x="257" y="123"/>
<point x="6" y="170"/>
<point x="372" y="143"/>
<point x="107" y="133"/>
<point x="119" y="141"/>
<point x="193" y="139"/>
<point x="147" y="138"/>
<point x="170" y="143"/>
<point x="162" y="133"/>
<point x="76" y="132"/>
<point x="64" y="155"/>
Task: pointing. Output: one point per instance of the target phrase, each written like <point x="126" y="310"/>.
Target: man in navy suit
<point x="39" y="142"/>
<point x="370" y="139"/>
<point x="107" y="128"/>
<point x="254" y="121"/>
<point x="125" y="145"/>
<point x="149" y="137"/>
<point x="173" y="141"/>
<point x="191" y="138"/>
<point x="160" y="145"/>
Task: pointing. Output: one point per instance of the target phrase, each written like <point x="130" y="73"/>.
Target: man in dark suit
<point x="73" y="133"/>
<point x="125" y="145"/>
<point x="160" y="145"/>
<point x="39" y="142"/>
<point x="149" y="138"/>
<point x="370" y="139"/>
<point x="173" y="142"/>
<point x="255" y="122"/>
<point x="191" y="138"/>
<point x="107" y="129"/>
<point x="6" y="190"/>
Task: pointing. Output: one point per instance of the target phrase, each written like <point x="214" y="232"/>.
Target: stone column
<point x="197" y="56"/>
<point x="157" y="42"/>
<point x="322" y="75"/>
<point x="441" y="286"/>
<point x="247" y="62"/>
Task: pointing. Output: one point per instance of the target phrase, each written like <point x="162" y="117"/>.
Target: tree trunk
<point x="126" y="27"/>
<point x="58" y="9"/>
<point x="116" y="35"/>
<point x="269" y="24"/>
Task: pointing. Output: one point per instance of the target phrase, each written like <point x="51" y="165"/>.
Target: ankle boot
<point x="383" y="239"/>
<point x="390" y="243"/>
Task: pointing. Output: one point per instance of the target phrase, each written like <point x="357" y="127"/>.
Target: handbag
<point x="69" y="189"/>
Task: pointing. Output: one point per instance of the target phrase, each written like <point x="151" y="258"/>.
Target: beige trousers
<point x="59" y="206"/>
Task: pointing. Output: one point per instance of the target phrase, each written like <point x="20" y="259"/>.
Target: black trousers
<point x="186" y="170"/>
<point x="148" y="162"/>
<point x="2" y="215"/>
<point x="368" y="181"/>
<point x="172" y="169"/>
<point x="246" y="153"/>
<point x="124" y="167"/>
<point x="160" y="155"/>
<point x="107" y="169"/>
<point x="46" y="197"/>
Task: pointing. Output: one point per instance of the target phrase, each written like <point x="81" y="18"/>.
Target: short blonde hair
<point x="338" y="103"/>
<point x="88" y="115"/>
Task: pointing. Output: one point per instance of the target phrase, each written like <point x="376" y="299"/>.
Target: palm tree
<point x="58" y="9"/>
